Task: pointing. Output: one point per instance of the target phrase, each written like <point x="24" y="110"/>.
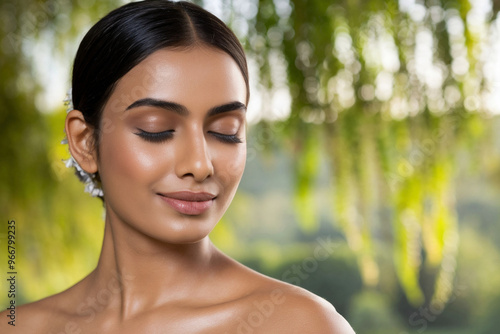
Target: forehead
<point x="197" y="77"/>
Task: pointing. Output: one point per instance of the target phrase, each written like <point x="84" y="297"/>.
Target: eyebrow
<point x="182" y="110"/>
<point x="175" y="107"/>
<point x="231" y="106"/>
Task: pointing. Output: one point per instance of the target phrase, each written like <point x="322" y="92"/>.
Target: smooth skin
<point x="158" y="271"/>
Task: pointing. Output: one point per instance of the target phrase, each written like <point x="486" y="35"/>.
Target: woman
<point x="160" y="91"/>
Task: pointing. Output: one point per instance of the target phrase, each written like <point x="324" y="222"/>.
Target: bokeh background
<point x="374" y="136"/>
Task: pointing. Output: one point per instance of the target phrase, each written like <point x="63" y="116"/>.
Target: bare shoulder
<point x="277" y="307"/>
<point x="27" y="318"/>
<point x="301" y="311"/>
<point x="37" y="317"/>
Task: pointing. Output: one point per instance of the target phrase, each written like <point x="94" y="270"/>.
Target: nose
<point x="193" y="158"/>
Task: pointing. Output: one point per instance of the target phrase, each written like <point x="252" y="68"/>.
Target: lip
<point x="187" y="202"/>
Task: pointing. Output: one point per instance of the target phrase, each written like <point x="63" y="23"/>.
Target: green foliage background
<point x="394" y="162"/>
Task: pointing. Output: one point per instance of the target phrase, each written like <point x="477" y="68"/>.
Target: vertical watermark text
<point x="11" y="271"/>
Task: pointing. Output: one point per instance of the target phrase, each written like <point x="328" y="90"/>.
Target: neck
<point x="136" y="272"/>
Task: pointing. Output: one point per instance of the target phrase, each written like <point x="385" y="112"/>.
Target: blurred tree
<point x="390" y="92"/>
<point x="48" y="213"/>
<point x="372" y="314"/>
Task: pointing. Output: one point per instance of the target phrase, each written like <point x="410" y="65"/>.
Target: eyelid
<point x="230" y="139"/>
<point x="161" y="136"/>
<point x="225" y="124"/>
<point x="155" y="136"/>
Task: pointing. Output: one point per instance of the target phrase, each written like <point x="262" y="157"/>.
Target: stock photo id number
<point x="11" y="272"/>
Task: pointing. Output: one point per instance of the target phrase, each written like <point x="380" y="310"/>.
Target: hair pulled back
<point x="128" y="34"/>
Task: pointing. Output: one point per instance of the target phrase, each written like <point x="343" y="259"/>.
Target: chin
<point x="190" y="235"/>
<point x="179" y="230"/>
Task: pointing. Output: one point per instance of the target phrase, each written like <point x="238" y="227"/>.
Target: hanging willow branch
<point x="388" y="93"/>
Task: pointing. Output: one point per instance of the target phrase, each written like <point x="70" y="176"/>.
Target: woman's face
<point x="172" y="143"/>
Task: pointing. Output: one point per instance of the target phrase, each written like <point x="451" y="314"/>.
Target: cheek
<point x="124" y="158"/>
<point x="231" y="165"/>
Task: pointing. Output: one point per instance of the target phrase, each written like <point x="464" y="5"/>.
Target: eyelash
<point x="155" y="137"/>
<point x="158" y="137"/>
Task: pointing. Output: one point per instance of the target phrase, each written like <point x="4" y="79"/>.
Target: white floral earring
<point x="91" y="183"/>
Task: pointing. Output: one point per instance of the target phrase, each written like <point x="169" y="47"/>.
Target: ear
<point x="80" y="141"/>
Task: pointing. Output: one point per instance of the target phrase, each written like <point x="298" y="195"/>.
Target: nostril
<point x="194" y="159"/>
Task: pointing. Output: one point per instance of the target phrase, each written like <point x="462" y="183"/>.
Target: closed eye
<point x="155" y="137"/>
<point x="230" y="139"/>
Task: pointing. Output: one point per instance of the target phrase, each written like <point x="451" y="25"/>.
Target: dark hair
<point x="128" y="34"/>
